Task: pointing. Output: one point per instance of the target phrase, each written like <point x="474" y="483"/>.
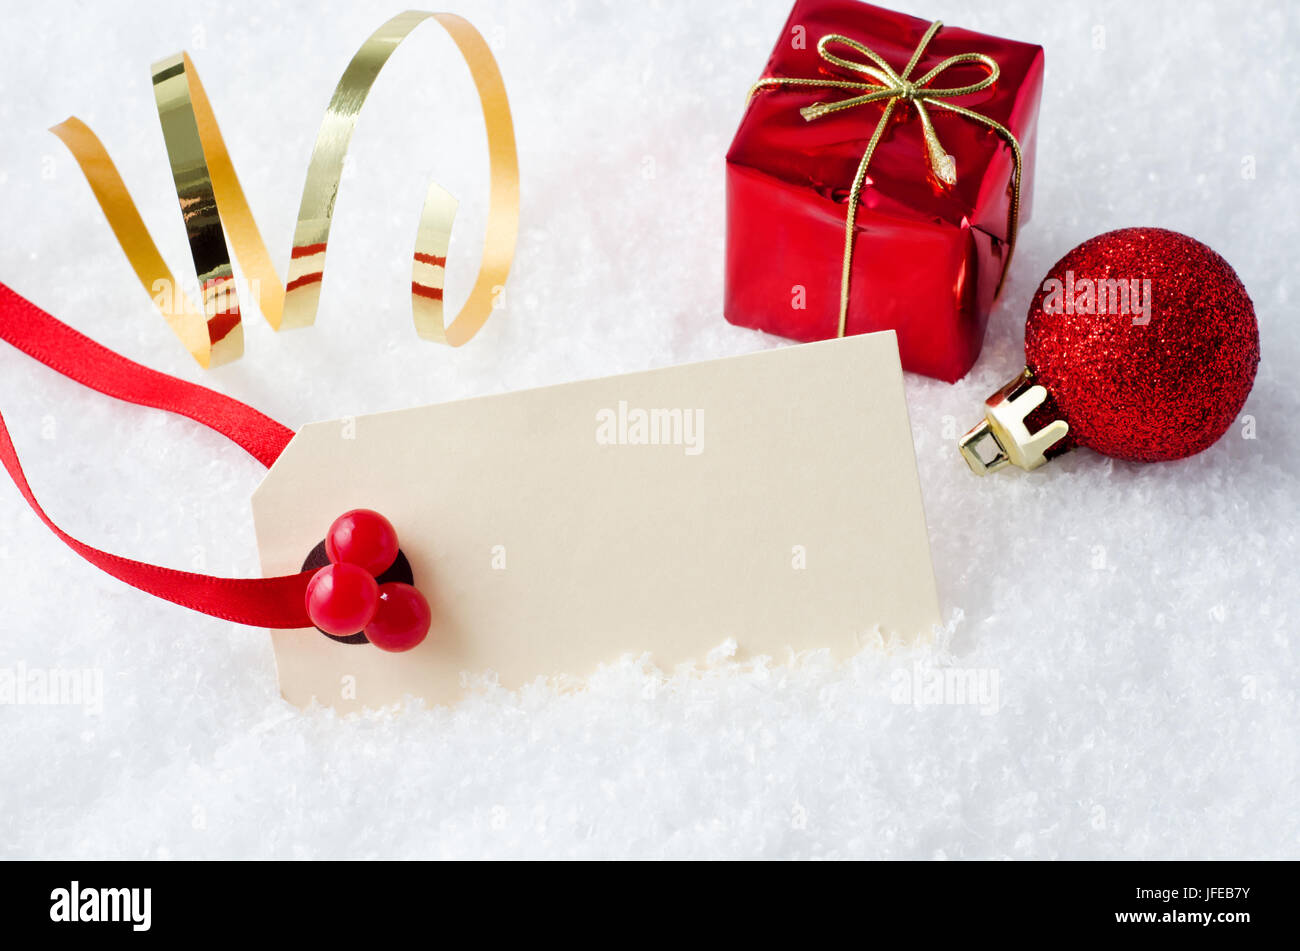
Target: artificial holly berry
<point x="401" y="619"/>
<point x="364" y="538"/>
<point x="342" y="599"/>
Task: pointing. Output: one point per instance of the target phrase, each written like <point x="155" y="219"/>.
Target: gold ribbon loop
<point x="891" y="87"/>
<point x="218" y="219"/>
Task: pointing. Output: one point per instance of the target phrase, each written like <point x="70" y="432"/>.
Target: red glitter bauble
<point x="1161" y="377"/>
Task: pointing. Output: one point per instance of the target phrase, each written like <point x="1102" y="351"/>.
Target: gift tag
<point x="771" y="498"/>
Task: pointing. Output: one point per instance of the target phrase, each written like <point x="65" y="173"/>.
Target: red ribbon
<point x="261" y="602"/>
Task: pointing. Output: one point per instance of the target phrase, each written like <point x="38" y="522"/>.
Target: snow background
<point x="1140" y="619"/>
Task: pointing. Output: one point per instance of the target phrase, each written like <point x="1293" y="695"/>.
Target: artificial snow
<point x="1118" y="673"/>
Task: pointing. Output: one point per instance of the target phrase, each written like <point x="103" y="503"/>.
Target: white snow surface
<point x="1138" y="622"/>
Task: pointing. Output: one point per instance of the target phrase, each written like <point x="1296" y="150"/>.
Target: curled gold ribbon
<point x="218" y="219"/>
<point x="891" y="87"/>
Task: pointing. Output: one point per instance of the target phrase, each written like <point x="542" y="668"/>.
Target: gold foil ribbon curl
<point x="891" y="87"/>
<point x="219" y="221"/>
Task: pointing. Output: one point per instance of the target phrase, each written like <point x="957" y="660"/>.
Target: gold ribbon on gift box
<point x="891" y="87"/>
<point x="219" y="220"/>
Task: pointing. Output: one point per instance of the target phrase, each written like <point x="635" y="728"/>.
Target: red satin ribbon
<point x="261" y="602"/>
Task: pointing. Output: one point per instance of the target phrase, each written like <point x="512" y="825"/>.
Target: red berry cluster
<point x="343" y="598"/>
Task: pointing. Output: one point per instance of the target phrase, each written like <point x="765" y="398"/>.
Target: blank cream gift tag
<point x="771" y="498"/>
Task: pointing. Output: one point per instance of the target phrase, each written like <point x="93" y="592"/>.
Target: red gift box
<point x="927" y="256"/>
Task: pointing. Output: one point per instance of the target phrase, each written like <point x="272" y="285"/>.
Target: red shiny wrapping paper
<point x="927" y="257"/>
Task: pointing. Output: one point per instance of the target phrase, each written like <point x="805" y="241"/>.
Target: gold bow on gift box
<point x="218" y="218"/>
<point x="891" y="87"/>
